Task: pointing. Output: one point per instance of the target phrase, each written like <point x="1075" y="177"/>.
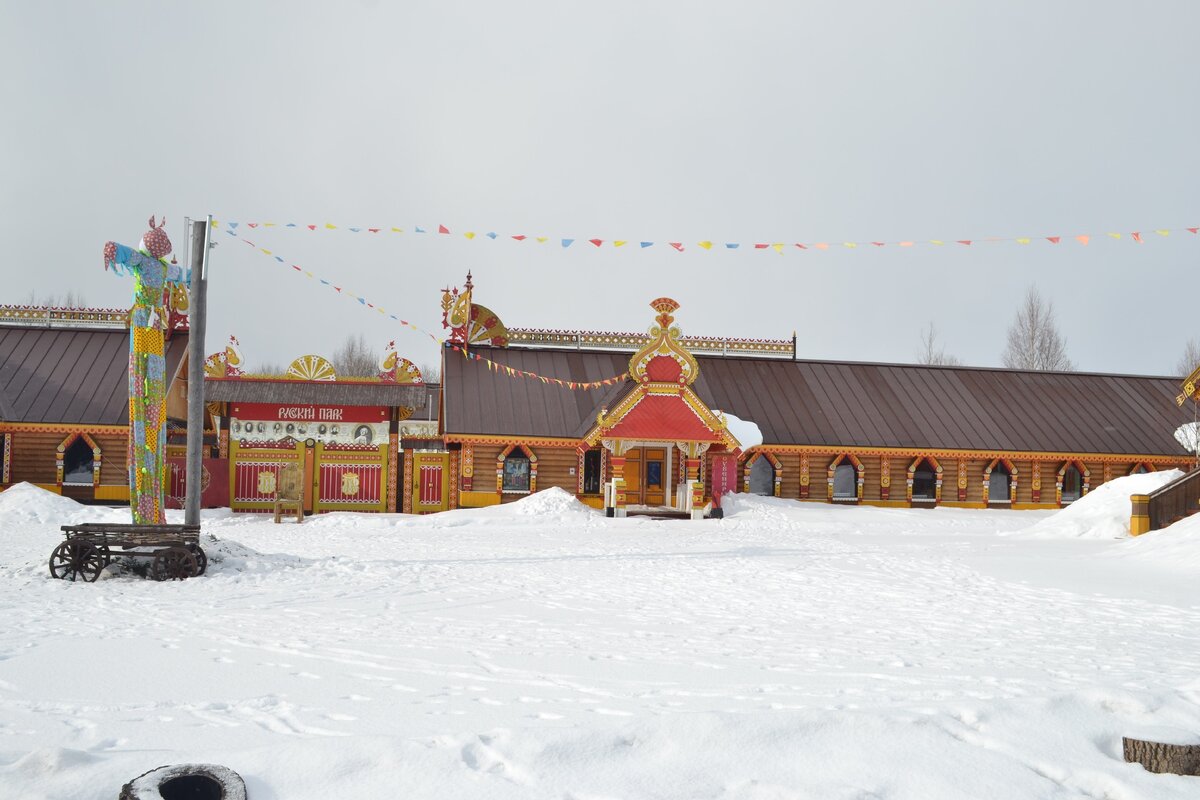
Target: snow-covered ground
<point x="540" y="650"/>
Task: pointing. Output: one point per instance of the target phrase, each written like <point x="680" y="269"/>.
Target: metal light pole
<point x="198" y="262"/>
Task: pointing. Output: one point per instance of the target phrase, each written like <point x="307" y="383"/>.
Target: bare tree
<point x="267" y="369"/>
<point x="355" y="359"/>
<point x="1033" y="338"/>
<point x="431" y="372"/>
<point x="71" y="299"/>
<point x="933" y="353"/>
<point x="1189" y="360"/>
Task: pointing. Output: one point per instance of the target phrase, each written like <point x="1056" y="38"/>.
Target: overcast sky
<point x="731" y="122"/>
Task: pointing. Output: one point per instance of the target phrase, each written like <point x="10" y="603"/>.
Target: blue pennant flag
<point x="290" y="225"/>
<point x="732" y="245"/>
<point x="362" y="300"/>
<point x="322" y="280"/>
<point x="419" y="230"/>
<point x="491" y="234"/>
<point x="647" y="244"/>
<point x="357" y="230"/>
<point x="280" y="260"/>
<point x="232" y="224"/>
<point x="567" y="242"/>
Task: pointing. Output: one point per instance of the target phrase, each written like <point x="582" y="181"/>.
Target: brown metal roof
<point x="70" y="375"/>
<point x="837" y="404"/>
<point x="252" y="390"/>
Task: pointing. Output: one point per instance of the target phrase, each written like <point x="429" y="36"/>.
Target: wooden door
<point x="633" y="477"/>
<point x="310" y="480"/>
<point x="655" y="476"/>
<point x="431" y="490"/>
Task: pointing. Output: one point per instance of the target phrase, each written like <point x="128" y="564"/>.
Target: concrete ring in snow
<point x="191" y="781"/>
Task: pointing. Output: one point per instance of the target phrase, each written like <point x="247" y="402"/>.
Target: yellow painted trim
<point x="592" y="500"/>
<point x="534" y="441"/>
<point x="881" y="503"/>
<point x="1035" y="506"/>
<point x="1013" y="455"/>
<point x="50" y="487"/>
<point x="963" y="504"/>
<point x="478" y="499"/>
<point x="113" y="493"/>
<point x="60" y="427"/>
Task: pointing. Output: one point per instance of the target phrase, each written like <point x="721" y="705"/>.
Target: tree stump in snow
<point x="186" y="782"/>
<point x="1177" y="759"/>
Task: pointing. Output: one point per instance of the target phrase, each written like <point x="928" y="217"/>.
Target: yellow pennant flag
<point x="268" y="224"/>
<point x="330" y="226"/>
<point x="469" y="234"/>
<point x="706" y="245"/>
<point x="931" y="241"/>
<point x="309" y="274"/>
<point x="265" y="250"/>
<point x="215" y="223"/>
<point x="397" y="230"/>
<point x="778" y="248"/>
<point x="850" y="244"/>
<point x="542" y="239"/>
<point x="1115" y="235"/>
<point x="1023" y="240"/>
<point x="1163" y="232"/>
<point x="618" y="242"/>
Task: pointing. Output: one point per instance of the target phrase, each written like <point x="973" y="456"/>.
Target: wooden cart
<point x="89" y="548"/>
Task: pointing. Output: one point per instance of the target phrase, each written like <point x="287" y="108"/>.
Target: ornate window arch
<point x="522" y="472"/>
<point x="776" y="467"/>
<point x="60" y="453"/>
<point x="912" y="476"/>
<point x="1012" y="481"/>
<point x="1140" y="467"/>
<point x="842" y="461"/>
<point x="1084" y="479"/>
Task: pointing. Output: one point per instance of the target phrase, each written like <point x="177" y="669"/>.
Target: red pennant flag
<point x="802" y="247"/>
<point x="296" y="268"/>
<point x="251" y="224"/>
<point x="1137" y="236"/>
<point x="1053" y="239"/>
<point x="964" y="241"/>
<point x="312" y="227"/>
<point x="677" y="245"/>
<point x="443" y="229"/>
<point x="520" y="237"/>
<point x="373" y="230"/>
<point x="1193" y="230"/>
<point x="338" y="288"/>
<point x="761" y="246"/>
<point x="878" y="244"/>
<point x="596" y="242"/>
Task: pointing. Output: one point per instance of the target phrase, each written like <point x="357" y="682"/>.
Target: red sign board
<point x="308" y="413"/>
<point x="724" y="469"/>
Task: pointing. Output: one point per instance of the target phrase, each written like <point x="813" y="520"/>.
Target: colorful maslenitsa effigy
<point x="158" y="290"/>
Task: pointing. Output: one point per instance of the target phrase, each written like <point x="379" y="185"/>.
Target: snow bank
<point x="1102" y="513"/>
<point x="548" y="502"/>
<point x="24" y="504"/>
<point x="1176" y="547"/>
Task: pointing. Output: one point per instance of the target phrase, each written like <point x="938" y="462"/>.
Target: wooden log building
<point x="510" y="418"/>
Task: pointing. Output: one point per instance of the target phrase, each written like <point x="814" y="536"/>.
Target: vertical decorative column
<point x="223" y="435"/>
<point x="1139" y="519"/>
<point x="452" y="482"/>
<point x="885" y="477"/>
<point x="804" y="476"/>
<point x="1107" y="473"/>
<point x="407" y="491"/>
<point x="692" y="465"/>
<point x="618" y="478"/>
<point x="1035" y="483"/>
<point x="468" y="466"/>
<point x="962" y="480"/>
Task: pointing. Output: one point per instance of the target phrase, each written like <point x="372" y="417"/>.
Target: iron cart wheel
<point x="201" y="558"/>
<point x="74" y="560"/>
<point x="175" y="563"/>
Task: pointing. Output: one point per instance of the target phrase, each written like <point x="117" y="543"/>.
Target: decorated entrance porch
<point x="659" y="431"/>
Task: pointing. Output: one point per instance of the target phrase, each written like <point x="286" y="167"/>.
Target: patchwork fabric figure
<point x="157" y="287"/>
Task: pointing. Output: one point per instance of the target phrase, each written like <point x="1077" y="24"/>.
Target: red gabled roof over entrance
<point x="663" y="417"/>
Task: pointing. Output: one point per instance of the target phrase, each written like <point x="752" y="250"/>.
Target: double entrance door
<point x="646" y="476"/>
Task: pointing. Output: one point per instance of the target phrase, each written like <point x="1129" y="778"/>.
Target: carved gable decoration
<point x="663" y="359"/>
<point x="662" y="406"/>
